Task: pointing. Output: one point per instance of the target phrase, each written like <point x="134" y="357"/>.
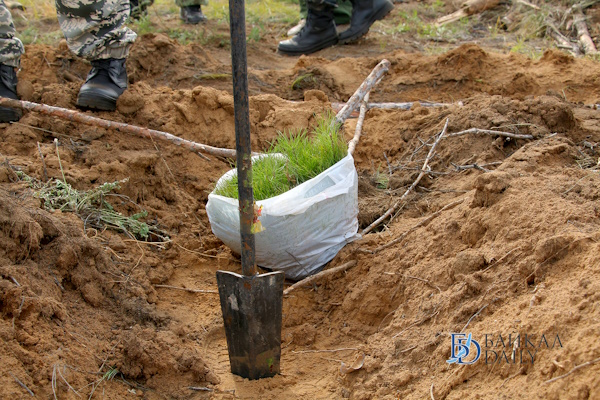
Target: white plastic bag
<point x="304" y="228"/>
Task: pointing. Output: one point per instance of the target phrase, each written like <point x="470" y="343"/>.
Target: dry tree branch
<point x="22" y="385"/>
<point x="490" y="132"/>
<point x="362" y="90"/>
<point x="424" y="170"/>
<point x="415" y="227"/>
<point x="582" y="32"/>
<point x="562" y="41"/>
<point x="320" y="275"/>
<point x="76" y="116"/>
<point x="585" y="364"/>
<point x="359" y="125"/>
<point x="473" y="317"/>
<point x="186" y="289"/>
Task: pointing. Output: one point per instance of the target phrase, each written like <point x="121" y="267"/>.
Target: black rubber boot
<point x="364" y="14"/>
<point x="8" y="88"/>
<point x="192" y="15"/>
<point x="105" y="83"/>
<point x="318" y="33"/>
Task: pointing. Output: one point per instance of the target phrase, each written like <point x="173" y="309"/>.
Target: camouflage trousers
<point x="140" y="5"/>
<point x="341" y="14"/>
<point x="94" y="29"/>
<point x="11" y="47"/>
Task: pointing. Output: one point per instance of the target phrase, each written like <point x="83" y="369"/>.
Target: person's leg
<point x="364" y="14"/>
<point x="139" y="8"/>
<point x="191" y="11"/>
<point x="296" y="28"/>
<point x="343" y="12"/>
<point x="96" y="30"/>
<point x="318" y="33"/>
<point x="11" y="50"/>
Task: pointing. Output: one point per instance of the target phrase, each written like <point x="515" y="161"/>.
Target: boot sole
<point x="311" y="50"/>
<point x="379" y="15"/>
<point x="96" y="102"/>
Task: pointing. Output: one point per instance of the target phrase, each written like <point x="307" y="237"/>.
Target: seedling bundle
<point x="306" y="187"/>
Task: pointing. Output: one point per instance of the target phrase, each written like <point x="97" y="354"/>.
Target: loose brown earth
<point x="518" y="255"/>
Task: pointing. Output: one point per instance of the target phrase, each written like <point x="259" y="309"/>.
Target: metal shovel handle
<point x="237" y="18"/>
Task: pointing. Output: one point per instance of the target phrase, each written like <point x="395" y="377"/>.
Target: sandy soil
<point x="515" y="252"/>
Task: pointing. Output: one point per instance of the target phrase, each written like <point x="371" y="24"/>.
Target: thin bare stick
<point x="427" y="317"/>
<point x="583" y="34"/>
<point x="362" y="90"/>
<point x="424" y="280"/>
<point x="421" y="223"/>
<point x="500" y="259"/>
<point x="14" y="281"/>
<point x="424" y="170"/>
<point x="68" y="385"/>
<point x="186" y="289"/>
<point x="562" y="41"/>
<point x="324" y="351"/>
<point x="473" y="317"/>
<point x="431" y="391"/>
<point x="22" y="385"/>
<point x="395" y="106"/>
<point x="359" y="125"/>
<point x="490" y="132"/>
<point x="76" y="116"/>
<point x="481" y="167"/>
<point x="43" y="162"/>
<point x="528" y="4"/>
<point x="585" y="364"/>
<point x="320" y="275"/>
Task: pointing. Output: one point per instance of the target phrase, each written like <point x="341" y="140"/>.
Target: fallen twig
<point x="562" y="41"/>
<point x="431" y="391"/>
<point x="320" y="275"/>
<point x="424" y="280"/>
<point x="427" y="317"/>
<point x="76" y="116"/>
<point x="359" y="125"/>
<point x="585" y="364"/>
<point x="186" y="289"/>
<point x="490" y="132"/>
<point x="473" y="317"/>
<point x="475" y="166"/>
<point x="362" y="90"/>
<point x="582" y="33"/>
<point x="22" y="385"/>
<point x="424" y="170"/>
<point x="421" y="223"/>
<point x="324" y="351"/>
<point x="467" y="8"/>
<point x="395" y="106"/>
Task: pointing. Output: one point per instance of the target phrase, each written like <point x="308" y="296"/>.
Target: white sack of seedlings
<point x="304" y="228"/>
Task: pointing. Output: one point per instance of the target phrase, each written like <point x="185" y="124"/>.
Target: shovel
<point x="251" y="303"/>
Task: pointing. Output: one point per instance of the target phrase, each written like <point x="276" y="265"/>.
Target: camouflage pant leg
<point x="95" y="29"/>
<point x="11" y="48"/>
<point x="185" y="3"/>
<point x="342" y="13"/>
<point x="139" y="8"/>
<point x="317" y="4"/>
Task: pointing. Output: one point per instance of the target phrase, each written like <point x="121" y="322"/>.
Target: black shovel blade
<point x="252" y="309"/>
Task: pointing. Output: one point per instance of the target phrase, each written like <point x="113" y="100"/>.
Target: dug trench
<point x="500" y="237"/>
